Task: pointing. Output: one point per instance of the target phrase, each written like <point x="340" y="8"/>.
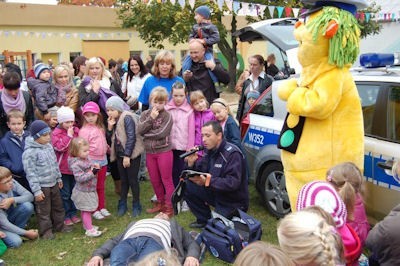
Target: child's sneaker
<point x="93" y="232"/>
<point x="184" y="207"/>
<point x="98" y="216"/>
<point x="76" y="219"/>
<point x="154" y="198"/>
<point x="94" y="227"/>
<point x="105" y="212"/>
<point x="68" y="222"/>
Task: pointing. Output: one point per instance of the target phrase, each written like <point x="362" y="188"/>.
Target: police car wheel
<point x="273" y="189"/>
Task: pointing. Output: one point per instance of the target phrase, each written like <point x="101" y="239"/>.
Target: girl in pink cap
<point x="93" y="131"/>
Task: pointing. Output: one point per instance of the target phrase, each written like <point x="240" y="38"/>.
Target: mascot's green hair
<point x="344" y="45"/>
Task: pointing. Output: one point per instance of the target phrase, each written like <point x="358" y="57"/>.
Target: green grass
<point x="75" y="248"/>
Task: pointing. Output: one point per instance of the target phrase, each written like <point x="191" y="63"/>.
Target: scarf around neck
<point x="62" y="92"/>
<point x="10" y="103"/>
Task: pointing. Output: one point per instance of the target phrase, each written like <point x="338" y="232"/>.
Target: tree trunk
<point x="230" y="54"/>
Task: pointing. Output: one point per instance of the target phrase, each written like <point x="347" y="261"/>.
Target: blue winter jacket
<point x="40" y="165"/>
<point x="11" y="149"/>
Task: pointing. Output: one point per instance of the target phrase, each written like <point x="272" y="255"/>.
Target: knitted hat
<point x="39" y="68"/>
<point x="324" y="195"/>
<point x="39" y="128"/>
<point x="91" y="107"/>
<point x="253" y="94"/>
<point x="65" y="114"/>
<point x="203" y="11"/>
<point x="116" y="103"/>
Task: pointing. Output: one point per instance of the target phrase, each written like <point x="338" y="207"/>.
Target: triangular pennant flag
<point x="236" y="6"/>
<point x="271" y="10"/>
<point x="358" y="15"/>
<point x="191" y="3"/>
<point x="262" y="9"/>
<point x="1" y="32"/>
<point x="303" y="10"/>
<point x="288" y="11"/>
<point x="25" y="33"/>
<point x="229" y="4"/>
<point x="393" y="16"/>
<point x="296" y="12"/>
<point x="384" y="16"/>
<point x="37" y="34"/>
<point x="362" y="16"/>
<point x="220" y="4"/>
<point x="173" y="1"/>
<point x="280" y="11"/>
<point x="87" y="35"/>
<point x="13" y="32"/>
<point x="367" y="17"/>
<point x="182" y="3"/>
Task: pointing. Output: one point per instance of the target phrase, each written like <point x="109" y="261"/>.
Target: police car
<point x="379" y="90"/>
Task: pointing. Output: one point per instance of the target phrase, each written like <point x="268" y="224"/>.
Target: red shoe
<point x="76" y="219"/>
<point x="158" y="206"/>
<point x="68" y="222"/>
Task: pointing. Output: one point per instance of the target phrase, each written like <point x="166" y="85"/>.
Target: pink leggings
<point x="159" y="166"/>
<point x="100" y="188"/>
<point x="87" y="220"/>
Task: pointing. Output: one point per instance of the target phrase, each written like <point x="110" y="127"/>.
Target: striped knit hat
<point x="324" y="195"/>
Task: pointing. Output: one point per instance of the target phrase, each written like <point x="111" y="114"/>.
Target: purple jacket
<point x="200" y="118"/>
<point x="182" y="133"/>
<point x="86" y="181"/>
<point x="360" y="223"/>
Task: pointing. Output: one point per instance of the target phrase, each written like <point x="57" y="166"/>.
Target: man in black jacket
<point x="199" y="77"/>
<point x="146" y="236"/>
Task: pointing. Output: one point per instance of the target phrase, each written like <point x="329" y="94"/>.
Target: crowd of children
<point x="61" y="166"/>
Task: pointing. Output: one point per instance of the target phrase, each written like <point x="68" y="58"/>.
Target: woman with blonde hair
<point x="164" y="75"/>
<point x="309" y="240"/>
<point x="67" y="92"/>
<point x="261" y="253"/>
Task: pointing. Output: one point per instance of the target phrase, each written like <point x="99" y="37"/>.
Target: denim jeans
<point x="66" y="192"/>
<point x="133" y="250"/>
<point x="18" y="216"/>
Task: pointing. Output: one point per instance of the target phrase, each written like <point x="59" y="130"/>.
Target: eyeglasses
<point x="7" y="181"/>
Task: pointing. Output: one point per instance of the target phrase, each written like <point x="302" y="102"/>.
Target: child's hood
<point x="185" y="106"/>
<point x="30" y="143"/>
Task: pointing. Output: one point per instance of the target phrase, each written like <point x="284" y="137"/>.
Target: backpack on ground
<point x="225" y="238"/>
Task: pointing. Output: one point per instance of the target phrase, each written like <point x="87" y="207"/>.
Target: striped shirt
<point x="158" y="229"/>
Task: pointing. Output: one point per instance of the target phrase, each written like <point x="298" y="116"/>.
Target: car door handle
<point x="388" y="165"/>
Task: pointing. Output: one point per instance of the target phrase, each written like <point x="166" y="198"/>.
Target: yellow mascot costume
<point x="324" y="125"/>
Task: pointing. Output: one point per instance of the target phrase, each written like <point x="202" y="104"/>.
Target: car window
<point x="381" y="110"/>
<point x="264" y="105"/>
<point x="368" y="94"/>
<point x="394" y="113"/>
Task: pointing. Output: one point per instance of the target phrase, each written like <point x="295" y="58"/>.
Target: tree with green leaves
<point x="159" y="21"/>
